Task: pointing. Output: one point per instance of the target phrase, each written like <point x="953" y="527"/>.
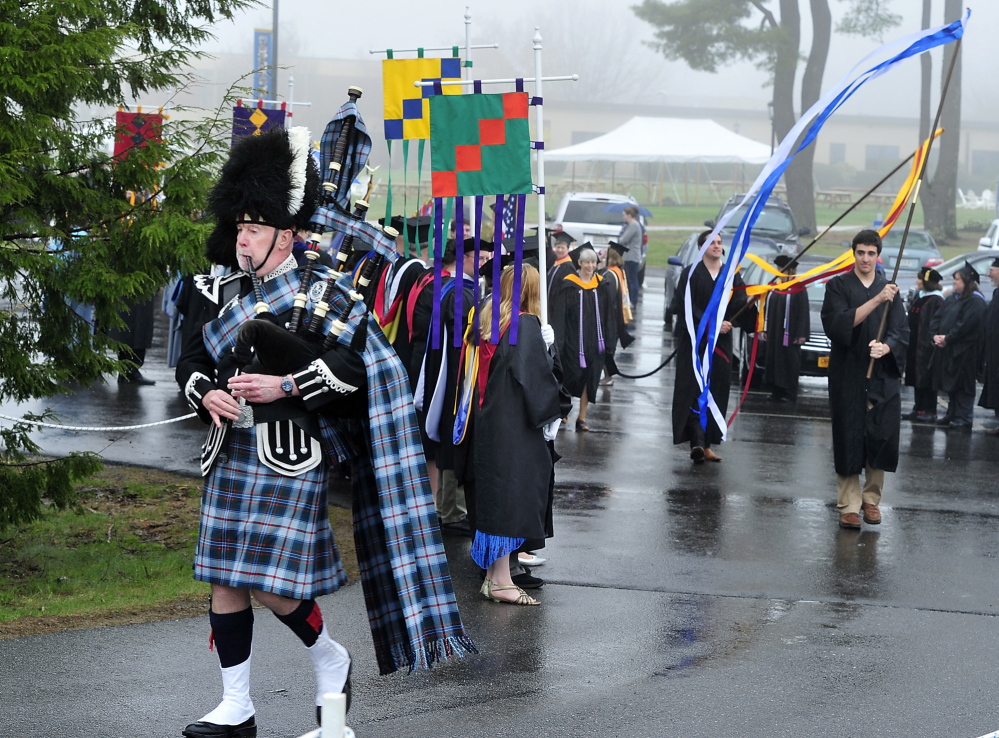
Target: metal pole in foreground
<point x="542" y="235"/>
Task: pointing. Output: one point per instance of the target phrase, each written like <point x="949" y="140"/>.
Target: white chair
<point x="988" y="200"/>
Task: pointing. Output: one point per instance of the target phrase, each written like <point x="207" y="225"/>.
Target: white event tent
<point x="666" y="141"/>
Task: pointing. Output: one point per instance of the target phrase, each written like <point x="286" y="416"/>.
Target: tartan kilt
<point x="263" y="530"/>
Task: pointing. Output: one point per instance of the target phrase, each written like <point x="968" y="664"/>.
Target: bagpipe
<point x="283" y="348"/>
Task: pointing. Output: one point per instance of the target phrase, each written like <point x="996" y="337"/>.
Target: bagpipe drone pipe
<point x="283" y="348"/>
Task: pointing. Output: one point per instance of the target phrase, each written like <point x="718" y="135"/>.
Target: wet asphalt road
<point x="713" y="600"/>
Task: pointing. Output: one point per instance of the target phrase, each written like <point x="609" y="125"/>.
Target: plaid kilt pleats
<point x="263" y="530"/>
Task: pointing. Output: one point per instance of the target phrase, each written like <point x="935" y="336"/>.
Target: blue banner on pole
<point x="263" y="59"/>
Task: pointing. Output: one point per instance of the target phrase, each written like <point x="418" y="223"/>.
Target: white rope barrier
<point x="95" y="429"/>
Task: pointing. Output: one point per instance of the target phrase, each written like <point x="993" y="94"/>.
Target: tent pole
<point x="573" y="185"/>
<point x="686" y="182"/>
<point x="613" y="167"/>
<point x="697" y="184"/>
<point x="660" y="187"/>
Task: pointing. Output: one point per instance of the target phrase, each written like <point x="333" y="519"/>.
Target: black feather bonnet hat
<point x="271" y="179"/>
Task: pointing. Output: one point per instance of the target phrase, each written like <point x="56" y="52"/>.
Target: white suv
<point x="596" y="217"/>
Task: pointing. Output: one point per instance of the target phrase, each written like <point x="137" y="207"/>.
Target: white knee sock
<point x="331" y="662"/>
<point x="236" y="706"/>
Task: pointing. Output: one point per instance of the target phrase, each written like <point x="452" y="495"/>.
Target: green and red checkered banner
<point x="480" y="145"/>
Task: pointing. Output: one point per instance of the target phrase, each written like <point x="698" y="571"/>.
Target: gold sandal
<point x="489" y="587"/>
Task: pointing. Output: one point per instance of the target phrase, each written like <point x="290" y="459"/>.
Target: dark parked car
<point x="920" y="250"/>
<point x="815" y="351"/>
<point x="776" y="222"/>
<point x="763" y="247"/>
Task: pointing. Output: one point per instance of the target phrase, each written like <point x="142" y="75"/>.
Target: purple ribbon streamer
<point x="518" y="260"/>
<point x="497" y="266"/>
<point x="438" y="244"/>
<point x="459" y="264"/>
<point x="478" y="250"/>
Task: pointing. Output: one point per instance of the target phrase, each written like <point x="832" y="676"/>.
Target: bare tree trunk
<point x="940" y="194"/>
<point x="801" y="197"/>
<point x="785" y="66"/>
<point x="926" y="79"/>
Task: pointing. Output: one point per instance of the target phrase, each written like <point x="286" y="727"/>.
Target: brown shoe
<point x="849" y="520"/>
<point x="697" y="455"/>
<point x="872" y="515"/>
<point x="711" y="455"/>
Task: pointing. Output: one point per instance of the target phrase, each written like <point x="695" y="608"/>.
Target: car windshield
<point x="591" y="211"/>
<point x="771" y="220"/>
<point x="915" y="240"/>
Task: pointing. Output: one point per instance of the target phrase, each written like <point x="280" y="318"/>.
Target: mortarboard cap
<point x="929" y="274"/>
<point x="614" y="245"/>
<point x="782" y="260"/>
<point x="563" y="237"/>
<point x="968" y="272"/>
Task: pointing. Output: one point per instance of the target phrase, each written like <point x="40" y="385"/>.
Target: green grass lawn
<point x="124" y="554"/>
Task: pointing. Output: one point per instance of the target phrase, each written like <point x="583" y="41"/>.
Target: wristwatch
<point x="287" y="385"/>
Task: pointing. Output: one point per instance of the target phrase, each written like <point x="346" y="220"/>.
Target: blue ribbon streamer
<point x="825" y="107"/>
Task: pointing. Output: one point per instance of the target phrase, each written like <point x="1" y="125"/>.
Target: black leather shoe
<point x="346" y="690"/>
<point x="246" y="729"/>
<point x="944" y="420"/>
<point x="527" y="581"/>
<point x="911" y="416"/>
<point x="458" y="528"/>
<point x="959" y="425"/>
<point x="135" y="377"/>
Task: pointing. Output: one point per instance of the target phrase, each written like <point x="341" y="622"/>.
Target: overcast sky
<point x="607" y="30"/>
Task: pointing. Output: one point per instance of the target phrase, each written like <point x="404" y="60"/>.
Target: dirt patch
<point x="41" y="624"/>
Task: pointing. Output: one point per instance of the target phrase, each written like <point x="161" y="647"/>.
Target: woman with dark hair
<point x="504" y="460"/>
<point x="918" y="373"/>
<point x="958" y="337"/>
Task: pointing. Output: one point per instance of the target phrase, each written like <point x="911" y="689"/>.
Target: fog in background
<point x="602" y="41"/>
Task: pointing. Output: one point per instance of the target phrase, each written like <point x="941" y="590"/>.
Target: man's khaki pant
<point x="849" y="495"/>
<point x="450" y="498"/>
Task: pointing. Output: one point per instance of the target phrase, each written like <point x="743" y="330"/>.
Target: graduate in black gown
<point x="866" y="413"/>
<point x="918" y="373"/>
<point x="686" y="419"/>
<point x="990" y="375"/>
<point x="562" y="266"/>
<point x="438" y="380"/>
<point x="505" y="461"/>
<point x="787" y="328"/>
<point x="583" y="320"/>
<point x="958" y="330"/>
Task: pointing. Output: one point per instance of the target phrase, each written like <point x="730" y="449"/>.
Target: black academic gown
<point x="785" y="315"/>
<point x="862" y="435"/>
<point x="922" y="311"/>
<point x="685" y="389"/>
<point x="583" y="337"/>
<point x="990" y="377"/>
<point x="444" y="382"/>
<point x="505" y="462"/>
<point x="962" y="321"/>
<point x="556" y="273"/>
<point x="402" y="344"/>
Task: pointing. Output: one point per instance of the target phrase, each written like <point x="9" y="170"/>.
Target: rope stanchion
<point x="96" y="429"/>
<point x="649" y="374"/>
